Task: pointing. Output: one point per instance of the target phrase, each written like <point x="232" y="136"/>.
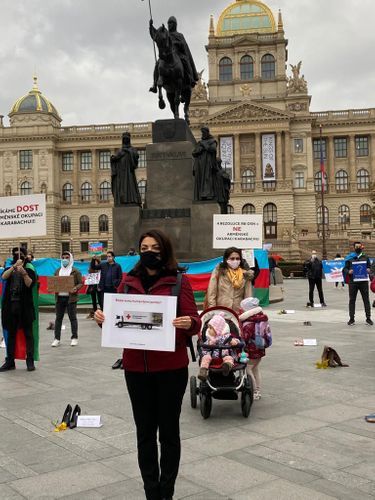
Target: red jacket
<point x="137" y="360"/>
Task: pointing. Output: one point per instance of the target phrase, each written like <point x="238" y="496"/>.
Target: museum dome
<point x="34" y="102"/>
<point x="246" y="16"/>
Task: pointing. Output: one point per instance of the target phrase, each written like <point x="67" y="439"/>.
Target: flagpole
<point x="322" y="172"/>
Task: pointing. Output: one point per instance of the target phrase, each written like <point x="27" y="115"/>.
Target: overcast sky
<point x="94" y="59"/>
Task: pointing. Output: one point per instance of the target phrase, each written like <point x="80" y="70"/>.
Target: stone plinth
<point x="126" y="228"/>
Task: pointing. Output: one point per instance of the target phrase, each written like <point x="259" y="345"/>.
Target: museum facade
<point x="268" y="140"/>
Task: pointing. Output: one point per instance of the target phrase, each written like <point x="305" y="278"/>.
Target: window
<point x="299" y="180"/>
<point x="316" y="148"/>
<point x="26" y="159"/>
<point x="365" y="213"/>
<point x="67" y="192"/>
<point x="65" y="246"/>
<point x="341" y="149"/>
<point x="363" y="180"/>
<point x="230" y="209"/>
<point x="142" y="189"/>
<point x="341" y="181"/>
<point x="86" y="191"/>
<point x="361" y="146"/>
<point x="225" y="69"/>
<point x="43" y="188"/>
<point x="343" y="216"/>
<point x="84" y="224"/>
<point x="270" y="220"/>
<point x="67" y="162"/>
<point x="104" y="160"/>
<point x="105" y="191"/>
<point x="268" y="67"/>
<point x="142" y="162"/>
<point x="248" y="209"/>
<point x="298" y="145"/>
<point x="318" y="182"/>
<point x="84" y="246"/>
<point x="86" y="160"/>
<point x="246" y="68"/>
<point x="248" y="180"/>
<point x="103" y="223"/>
<point x="25" y="188"/>
<point x="326" y="216"/>
<point x="65" y="224"/>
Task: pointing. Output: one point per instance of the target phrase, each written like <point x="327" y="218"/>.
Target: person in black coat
<point x="314" y="271"/>
<point x="110" y="276"/>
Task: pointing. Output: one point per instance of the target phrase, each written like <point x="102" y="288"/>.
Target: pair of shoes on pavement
<point x="57" y="342"/>
<point x="11" y="365"/>
<point x="369" y="322"/>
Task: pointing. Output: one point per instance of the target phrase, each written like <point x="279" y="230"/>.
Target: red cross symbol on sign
<point x="128" y="316"/>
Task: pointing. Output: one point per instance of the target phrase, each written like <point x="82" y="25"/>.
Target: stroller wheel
<point x="206" y="405"/>
<point x="246" y="402"/>
<point x="193" y="391"/>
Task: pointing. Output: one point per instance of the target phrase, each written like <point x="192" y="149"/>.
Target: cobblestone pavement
<point x="305" y="439"/>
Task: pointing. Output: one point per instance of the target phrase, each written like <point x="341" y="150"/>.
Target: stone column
<point x="372" y="156"/>
<point x="280" y="165"/>
<point x="330" y="164"/>
<point x="76" y="186"/>
<point x="352" y="172"/>
<point x="258" y="157"/>
<point x="288" y="156"/>
<point x="237" y="158"/>
<point x="94" y="177"/>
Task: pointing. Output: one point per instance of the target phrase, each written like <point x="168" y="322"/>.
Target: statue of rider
<point x="183" y="51"/>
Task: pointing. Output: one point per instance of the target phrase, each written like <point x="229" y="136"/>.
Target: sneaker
<point x="2" y="344"/>
<point x="55" y="343"/>
<point x="257" y="395"/>
<point x="74" y="342"/>
<point x="369" y="321"/>
<point x="351" y="322"/>
<point x="8" y="365"/>
<point x="310" y="304"/>
<point x="203" y="374"/>
<point x="323" y="304"/>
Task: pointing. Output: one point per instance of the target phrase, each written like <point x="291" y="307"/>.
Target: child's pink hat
<point x="219" y="324"/>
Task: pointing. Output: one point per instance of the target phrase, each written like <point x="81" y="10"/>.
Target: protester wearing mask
<point x="313" y="268"/>
<point x="67" y="301"/>
<point x="110" y="276"/>
<point x="18" y="309"/>
<point x="355" y="286"/>
<point x="156" y="380"/>
<point x="230" y="282"/>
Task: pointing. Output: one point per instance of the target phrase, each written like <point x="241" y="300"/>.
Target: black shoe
<point x="323" y="304"/>
<point x="30" y="364"/>
<point x="153" y="89"/>
<point x="117" y="364"/>
<point x="73" y="420"/>
<point x="369" y="321"/>
<point x="351" y="322"/>
<point x="8" y="365"/>
<point x="310" y="304"/>
<point x="67" y="415"/>
<point x="373" y="304"/>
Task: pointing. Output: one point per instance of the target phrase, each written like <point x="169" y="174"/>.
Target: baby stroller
<point x="218" y="386"/>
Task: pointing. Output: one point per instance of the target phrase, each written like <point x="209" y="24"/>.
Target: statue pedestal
<point x="126" y="225"/>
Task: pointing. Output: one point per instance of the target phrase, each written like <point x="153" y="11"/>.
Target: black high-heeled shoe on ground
<point x="67" y="415"/>
<point x="75" y="414"/>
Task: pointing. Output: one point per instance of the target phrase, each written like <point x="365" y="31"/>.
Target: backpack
<point x="262" y="335"/>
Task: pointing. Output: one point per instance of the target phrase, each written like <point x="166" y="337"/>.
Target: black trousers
<point x="107" y="289"/>
<point x="12" y="332"/>
<point x="318" y="283"/>
<point x="361" y="286"/>
<point x="156" y="400"/>
<point x="94" y="298"/>
<point x="62" y="305"/>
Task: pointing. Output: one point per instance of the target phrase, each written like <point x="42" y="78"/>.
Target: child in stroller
<point x="218" y="335"/>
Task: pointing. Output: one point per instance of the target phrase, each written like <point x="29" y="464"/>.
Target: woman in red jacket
<point x="157" y="380"/>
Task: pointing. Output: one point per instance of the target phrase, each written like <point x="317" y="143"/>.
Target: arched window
<point x="105" y="191"/>
<point x="270" y="220"/>
<point x="67" y="192"/>
<point x="225" y="69"/>
<point x="363" y="180"/>
<point x="268" y="67"/>
<point x="341" y="181"/>
<point x="103" y="223"/>
<point x="318" y="182"/>
<point x="230" y="209"/>
<point x="86" y="191"/>
<point x="326" y="216"/>
<point x="65" y="224"/>
<point x="246" y="68"/>
<point x="248" y="180"/>
<point x="248" y="209"/>
<point x="84" y="224"/>
<point x="343" y="216"/>
<point x="142" y="184"/>
<point x="25" y="188"/>
<point x="365" y="213"/>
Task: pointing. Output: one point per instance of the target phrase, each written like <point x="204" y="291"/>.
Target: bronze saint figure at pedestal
<point x="205" y="167"/>
<point x="124" y="183"/>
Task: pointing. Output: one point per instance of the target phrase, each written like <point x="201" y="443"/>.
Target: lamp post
<point x="322" y="174"/>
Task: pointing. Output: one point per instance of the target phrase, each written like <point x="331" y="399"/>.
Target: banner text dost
<point x="20" y="214"/>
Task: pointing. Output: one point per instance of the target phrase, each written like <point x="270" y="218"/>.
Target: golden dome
<point x="34" y="102"/>
<point x="246" y="16"/>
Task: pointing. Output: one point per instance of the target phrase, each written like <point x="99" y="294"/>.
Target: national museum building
<point x="268" y="141"/>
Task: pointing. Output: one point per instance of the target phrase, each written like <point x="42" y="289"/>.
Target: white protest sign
<point x="241" y="231"/>
<point x="92" y="278"/>
<point x="23" y="216"/>
<point x="248" y="255"/>
<point x="89" y="421"/>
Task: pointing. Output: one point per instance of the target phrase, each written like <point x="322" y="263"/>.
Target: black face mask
<point x="358" y="250"/>
<point x="151" y="259"/>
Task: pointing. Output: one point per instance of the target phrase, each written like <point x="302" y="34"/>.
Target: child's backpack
<point x="262" y="335"/>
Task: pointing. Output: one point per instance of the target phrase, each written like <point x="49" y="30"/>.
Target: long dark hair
<point x="223" y="266"/>
<point x="167" y="255"/>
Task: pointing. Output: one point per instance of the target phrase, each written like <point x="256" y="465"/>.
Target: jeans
<point x="362" y="286"/>
<point x="12" y="332"/>
<point x="156" y="400"/>
<point x="318" y="283"/>
<point x="62" y="304"/>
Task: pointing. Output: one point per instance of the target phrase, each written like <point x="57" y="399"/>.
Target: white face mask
<point x="234" y="264"/>
<point x="313" y="256"/>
